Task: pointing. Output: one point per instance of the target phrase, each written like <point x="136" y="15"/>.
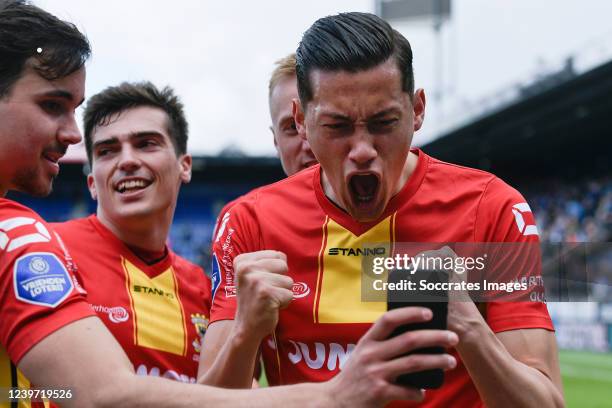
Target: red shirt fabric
<point x="441" y="202"/>
<point x="157" y="312"/>
<point x="39" y="292"/>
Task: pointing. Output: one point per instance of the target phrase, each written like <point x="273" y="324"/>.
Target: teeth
<point x="130" y="185"/>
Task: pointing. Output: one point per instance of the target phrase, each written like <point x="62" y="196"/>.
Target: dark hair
<point x="57" y="47"/>
<point x="116" y="99"/>
<point x="350" y="42"/>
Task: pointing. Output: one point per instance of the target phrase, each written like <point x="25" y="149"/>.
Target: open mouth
<point x="129" y="186"/>
<point x="363" y="187"/>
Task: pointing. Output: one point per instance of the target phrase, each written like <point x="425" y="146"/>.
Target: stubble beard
<point x="28" y="181"/>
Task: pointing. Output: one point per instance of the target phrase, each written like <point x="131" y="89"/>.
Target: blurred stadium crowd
<point x="578" y="212"/>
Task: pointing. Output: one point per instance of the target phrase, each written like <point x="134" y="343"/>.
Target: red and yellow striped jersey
<point x="157" y="312"/>
<point x="441" y="202"/>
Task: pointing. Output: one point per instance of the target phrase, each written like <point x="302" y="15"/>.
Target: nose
<point x="128" y="159"/>
<point x="362" y="150"/>
<point x="69" y="133"/>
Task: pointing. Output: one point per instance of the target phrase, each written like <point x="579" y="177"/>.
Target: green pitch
<point x="587" y="379"/>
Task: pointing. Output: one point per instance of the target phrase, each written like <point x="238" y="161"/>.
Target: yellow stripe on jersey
<point x="6" y="380"/>
<point x="159" y="321"/>
<point x="340" y="285"/>
<point x="5" y="369"/>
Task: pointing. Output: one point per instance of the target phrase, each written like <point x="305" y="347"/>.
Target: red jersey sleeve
<point x="238" y="233"/>
<point x="37" y="286"/>
<point x="222" y="213"/>
<point x="505" y="217"/>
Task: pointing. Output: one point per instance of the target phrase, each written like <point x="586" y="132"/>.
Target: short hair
<point x="57" y="47"/>
<point x="102" y="107"/>
<point x="350" y="42"/>
<point x="285" y="67"/>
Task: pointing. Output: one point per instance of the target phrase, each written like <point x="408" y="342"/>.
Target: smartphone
<point x="437" y="301"/>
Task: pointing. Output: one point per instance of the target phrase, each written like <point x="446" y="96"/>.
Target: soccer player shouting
<point x="358" y="110"/>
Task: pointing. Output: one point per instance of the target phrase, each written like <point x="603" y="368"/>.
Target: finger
<point x="385" y="324"/>
<point x="273" y="265"/>
<point x="257" y="255"/>
<point x="246" y="270"/>
<point x="399" y="392"/>
<point x="276" y="280"/>
<point x="261" y="283"/>
<point x="417" y="362"/>
<point x="283" y="297"/>
<point x="415" y="340"/>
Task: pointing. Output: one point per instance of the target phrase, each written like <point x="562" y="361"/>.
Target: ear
<point x="298" y="117"/>
<point x="185" y="162"/>
<point x="418" y="106"/>
<point x="91" y="185"/>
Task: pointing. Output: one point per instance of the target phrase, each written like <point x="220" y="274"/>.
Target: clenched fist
<point x="263" y="289"/>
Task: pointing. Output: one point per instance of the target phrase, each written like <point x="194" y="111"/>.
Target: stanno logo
<point x="152" y="291"/>
<point x="357" y="251"/>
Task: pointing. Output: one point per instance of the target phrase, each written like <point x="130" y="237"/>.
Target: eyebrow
<point x="136" y="135"/>
<point x="384" y="113"/>
<point x="377" y="115"/>
<point x="337" y="116"/>
<point x="59" y="93"/>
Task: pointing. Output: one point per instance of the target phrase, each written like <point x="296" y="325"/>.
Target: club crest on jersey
<point x="215" y="276"/>
<point x="40" y="278"/>
<point x="200" y="322"/>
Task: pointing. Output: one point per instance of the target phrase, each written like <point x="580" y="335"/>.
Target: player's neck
<point x="147" y="233"/>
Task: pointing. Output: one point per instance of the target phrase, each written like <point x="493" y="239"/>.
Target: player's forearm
<point x="160" y="393"/>
<point x="235" y="363"/>
<point x="500" y="379"/>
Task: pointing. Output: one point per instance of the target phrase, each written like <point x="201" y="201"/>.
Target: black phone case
<point x="437" y="301"/>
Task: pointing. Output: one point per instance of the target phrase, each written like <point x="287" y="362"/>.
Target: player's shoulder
<point x="21" y="228"/>
<point x="462" y="179"/>
<point x="10" y="209"/>
<point x="468" y="178"/>
<point x="183" y="263"/>
<point x="456" y="172"/>
<point x="77" y="225"/>
<point x="186" y="268"/>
